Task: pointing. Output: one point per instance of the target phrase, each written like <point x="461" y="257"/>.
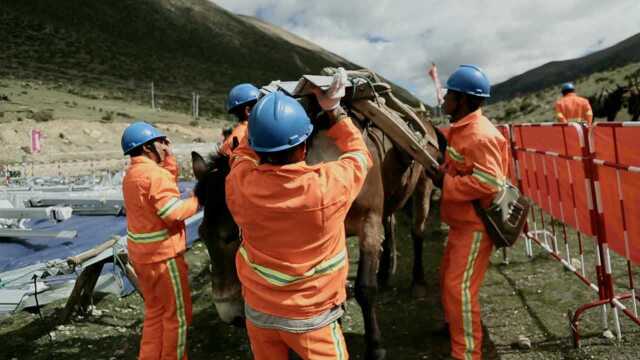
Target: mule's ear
<point x="199" y="165"/>
<point x="235" y="143"/>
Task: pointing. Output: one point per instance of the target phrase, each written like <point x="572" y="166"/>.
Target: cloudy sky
<point x="400" y="38"/>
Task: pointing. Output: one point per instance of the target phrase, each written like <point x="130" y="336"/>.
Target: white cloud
<point x="400" y="38"/>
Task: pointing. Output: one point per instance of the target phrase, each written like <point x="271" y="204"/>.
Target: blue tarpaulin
<point x="16" y="254"/>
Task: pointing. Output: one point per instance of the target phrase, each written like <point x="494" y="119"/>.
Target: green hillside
<point x="538" y="106"/>
<point x="114" y="49"/>
<point x="556" y="72"/>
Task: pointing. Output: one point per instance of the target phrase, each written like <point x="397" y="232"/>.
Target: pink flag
<point x="36" y="144"/>
<point x="433" y="73"/>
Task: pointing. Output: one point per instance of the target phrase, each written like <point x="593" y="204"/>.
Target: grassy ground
<point x="532" y="296"/>
<point x="65" y="101"/>
<point x="80" y="125"/>
<point x="528" y="297"/>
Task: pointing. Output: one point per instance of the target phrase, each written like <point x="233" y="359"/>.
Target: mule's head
<point x="619" y="92"/>
<point x="220" y="234"/>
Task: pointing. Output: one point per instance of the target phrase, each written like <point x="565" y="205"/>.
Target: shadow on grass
<point x="539" y="323"/>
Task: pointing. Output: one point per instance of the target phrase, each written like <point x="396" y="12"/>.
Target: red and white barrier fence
<point x="616" y="162"/>
<point x="564" y="168"/>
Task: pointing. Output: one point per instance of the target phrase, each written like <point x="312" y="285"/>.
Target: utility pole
<point x="153" y="98"/>
<point x="197" y="106"/>
<point x="195" y="102"/>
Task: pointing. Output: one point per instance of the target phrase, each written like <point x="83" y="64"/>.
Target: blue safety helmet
<point x="568" y="87"/>
<point x="278" y="122"/>
<point x="469" y="79"/>
<point x="138" y="134"/>
<point x="240" y="95"/>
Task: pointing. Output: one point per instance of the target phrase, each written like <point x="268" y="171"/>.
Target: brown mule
<point x="633" y="103"/>
<point x="608" y="103"/>
<point x="389" y="184"/>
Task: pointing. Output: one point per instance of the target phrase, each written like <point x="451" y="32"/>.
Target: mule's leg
<point x="370" y="240"/>
<point x="421" y="207"/>
<point x="207" y="239"/>
<point x="388" y="260"/>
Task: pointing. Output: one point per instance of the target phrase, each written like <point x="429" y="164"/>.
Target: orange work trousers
<point x="167" y="309"/>
<point x="465" y="261"/>
<point x="325" y="343"/>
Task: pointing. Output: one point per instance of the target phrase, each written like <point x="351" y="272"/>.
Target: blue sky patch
<point x="377" y="39"/>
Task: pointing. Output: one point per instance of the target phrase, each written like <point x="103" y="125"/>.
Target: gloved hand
<point x="330" y="99"/>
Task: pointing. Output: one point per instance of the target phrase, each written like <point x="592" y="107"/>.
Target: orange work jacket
<point x="155" y="213"/>
<point x="476" y="166"/>
<point x="292" y="262"/>
<point x="240" y="132"/>
<point x="572" y="107"/>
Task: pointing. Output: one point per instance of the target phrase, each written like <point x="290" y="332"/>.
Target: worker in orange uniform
<point x="475" y="167"/>
<point x="571" y="107"/>
<point x="240" y="101"/>
<point x="292" y="261"/>
<point x="156" y="241"/>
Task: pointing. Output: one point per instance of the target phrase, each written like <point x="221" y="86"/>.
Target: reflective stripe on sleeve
<point x="358" y="156"/>
<point x="454" y="154"/>
<point x="171" y="205"/>
<point x="487" y="178"/>
<point x="143" y="238"/>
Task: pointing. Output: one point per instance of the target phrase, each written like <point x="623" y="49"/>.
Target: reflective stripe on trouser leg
<point x="336" y="335"/>
<point x="151" y="341"/>
<point x="468" y="258"/>
<point x="467" y="319"/>
<point x="325" y="343"/>
<point x="180" y="307"/>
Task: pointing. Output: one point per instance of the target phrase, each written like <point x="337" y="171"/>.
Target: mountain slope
<point x="399" y="91"/>
<point x="538" y="106"/>
<point x="120" y="46"/>
<point x="557" y="72"/>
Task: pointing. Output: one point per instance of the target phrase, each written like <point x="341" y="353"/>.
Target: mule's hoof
<point x="419" y="291"/>
<point x="377" y="354"/>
